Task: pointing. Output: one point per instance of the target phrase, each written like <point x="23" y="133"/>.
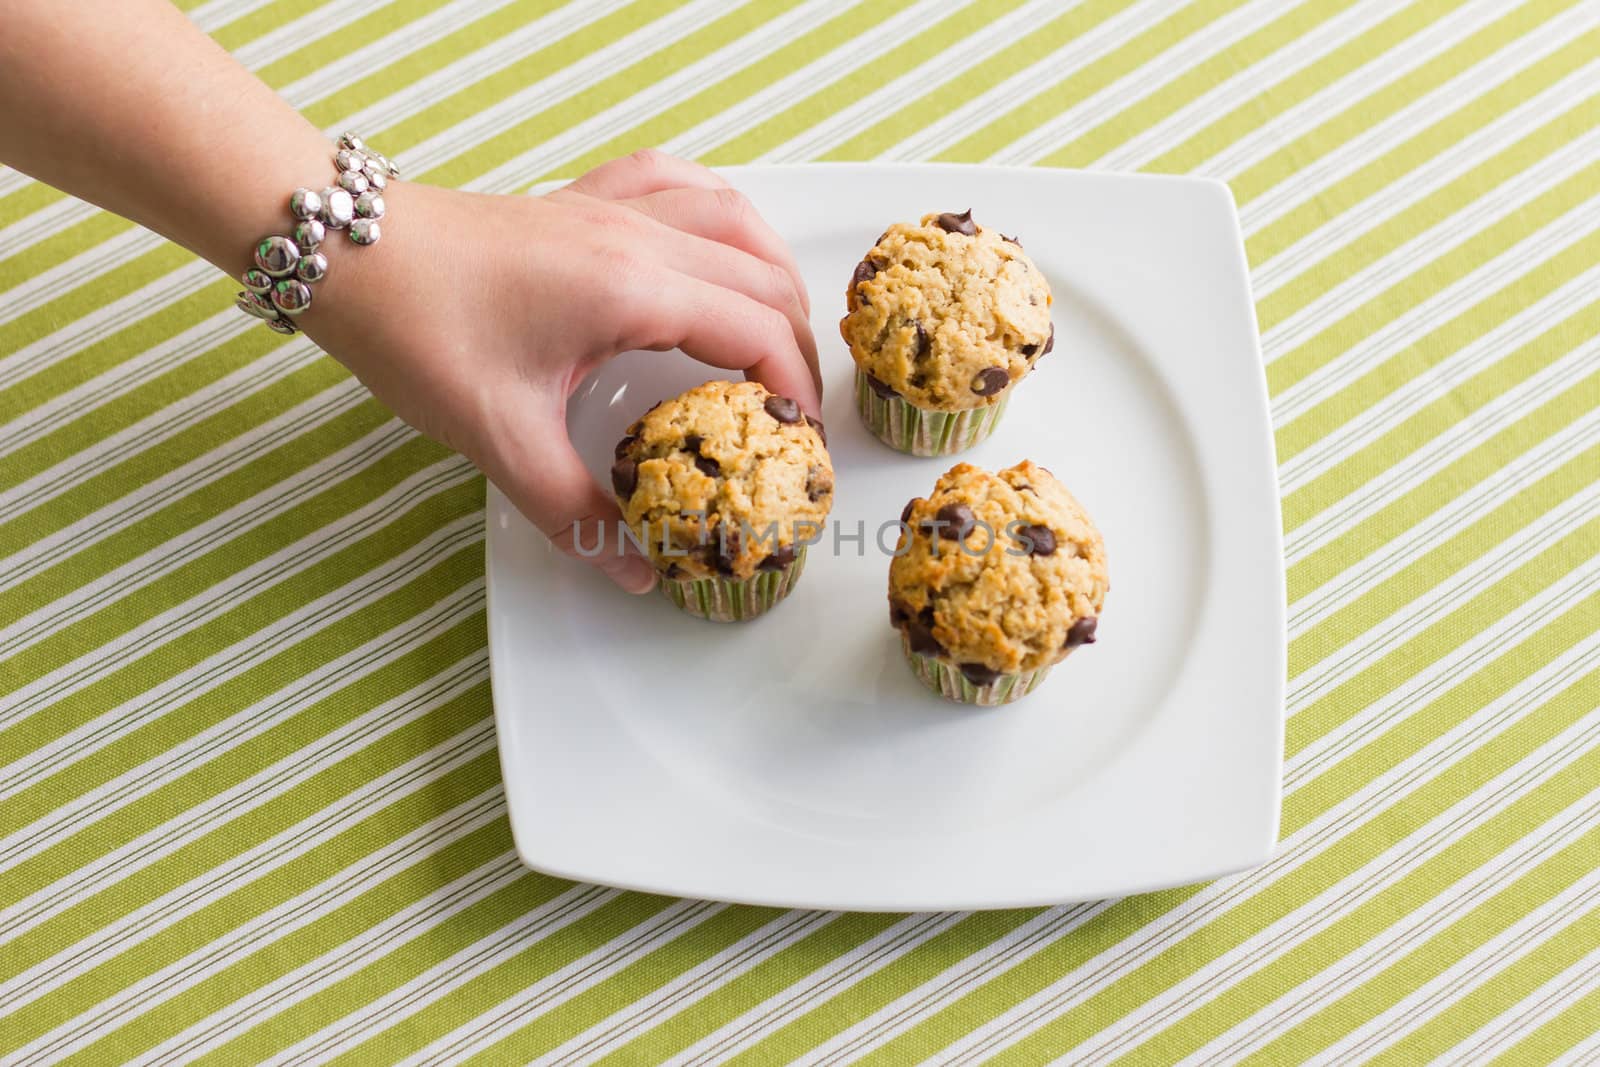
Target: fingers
<point x="548" y="482"/>
<point x="743" y="273"/>
<point x="724" y="215"/>
<point x="725" y="329"/>
<point x="642" y="173"/>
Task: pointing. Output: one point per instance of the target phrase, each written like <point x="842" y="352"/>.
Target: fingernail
<point x="634" y="575"/>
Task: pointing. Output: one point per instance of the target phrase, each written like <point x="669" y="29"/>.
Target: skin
<point x="474" y="317"/>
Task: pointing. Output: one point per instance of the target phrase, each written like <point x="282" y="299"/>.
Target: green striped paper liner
<point x="947" y="680"/>
<point x="731" y="600"/>
<point x="902" y="425"/>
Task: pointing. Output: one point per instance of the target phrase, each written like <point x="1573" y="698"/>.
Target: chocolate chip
<point x="990" y="381"/>
<point x="816" y="424"/>
<point x="962" y="223"/>
<point x="727" y="551"/>
<point x="1026" y="488"/>
<point x="1011" y="240"/>
<point x="623" y="446"/>
<point x="881" y="387"/>
<point x="919" y="631"/>
<point x="1028" y="350"/>
<point x="783" y="409"/>
<point x="1050" y="342"/>
<point x="978" y="674"/>
<point x="819" y="482"/>
<point x="1039" y="540"/>
<point x="881" y="236"/>
<point x="922" y="341"/>
<point x="866" y="270"/>
<point x="905" y="512"/>
<point x="674" y="571"/>
<point x="692" y="442"/>
<point x="1081" y="632"/>
<point x="780" y="558"/>
<point x="624" y="477"/>
<point x="898" y="615"/>
<point x="708" y="466"/>
<point x="958" y="521"/>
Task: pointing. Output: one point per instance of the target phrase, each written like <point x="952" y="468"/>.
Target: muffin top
<point x="946" y="313"/>
<point x="1024" y="601"/>
<point x="752" y="465"/>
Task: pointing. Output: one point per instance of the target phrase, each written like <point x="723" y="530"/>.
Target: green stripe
<point x="1087" y="80"/>
<point x="1575" y="1023"/>
<point x="1360" y="466"/>
<point x="178" y="585"/>
<point x="1402" y="514"/>
<point x="1443" y="950"/>
<point x="642" y="977"/>
<point x="1197" y="80"/>
<point x="1382" y="103"/>
<point x="254" y="897"/>
<point x="1296" y="88"/>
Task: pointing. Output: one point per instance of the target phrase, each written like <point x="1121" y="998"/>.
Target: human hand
<point x="475" y="318"/>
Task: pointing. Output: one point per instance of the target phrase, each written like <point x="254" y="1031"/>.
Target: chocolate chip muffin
<point x="944" y="318"/>
<point x="996" y="578"/>
<point x="724" y="486"/>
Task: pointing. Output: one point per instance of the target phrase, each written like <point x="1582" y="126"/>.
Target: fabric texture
<point x="249" y="799"/>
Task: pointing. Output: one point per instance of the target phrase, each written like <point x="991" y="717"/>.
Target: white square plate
<point x="795" y="760"/>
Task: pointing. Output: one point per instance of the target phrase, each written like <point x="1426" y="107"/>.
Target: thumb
<point x="550" y="485"/>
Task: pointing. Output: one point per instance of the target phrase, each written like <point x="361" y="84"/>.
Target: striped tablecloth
<point x="249" y="800"/>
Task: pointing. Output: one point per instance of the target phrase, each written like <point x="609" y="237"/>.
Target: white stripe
<point x="156" y="428"/>
<point x="1405" y="55"/>
<point x="1483" y="353"/>
<point x="562" y="84"/>
<point x="176" y="691"/>
<point x="581" y="974"/>
<point x="1342" y="898"/>
<point x="1454" y="96"/>
<point x="522" y="170"/>
<point x="1437" y="603"/>
<point x="1416" y="322"/>
<point x="189" y="755"/>
<point x="877" y="952"/>
<point x="1496" y="1037"/>
<point x="1395" y="555"/>
<point x="359" y="62"/>
<point x="215" y="14"/>
<point x="1330" y="523"/>
<point x="688" y="988"/>
<point x="371" y="946"/>
<point x="998" y="955"/>
<point x="1032" y="80"/>
<point x="1432" y="915"/>
<point x="1150" y="76"/>
<point x="1441" y="993"/>
<point x="163" y="841"/>
<point x="1417" y="692"/>
<point x="867" y="111"/>
<point x="1436" y="245"/>
<point x="282" y="920"/>
<point x="828" y="68"/>
<point x="120" y="515"/>
<point x="1366" y="217"/>
<point x="105" y="321"/>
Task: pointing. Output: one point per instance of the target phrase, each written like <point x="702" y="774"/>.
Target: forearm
<point x="126" y="104"/>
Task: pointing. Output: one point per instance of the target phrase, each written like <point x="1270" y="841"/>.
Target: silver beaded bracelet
<point x="278" y="287"/>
